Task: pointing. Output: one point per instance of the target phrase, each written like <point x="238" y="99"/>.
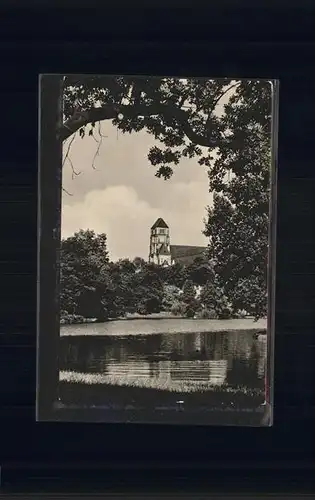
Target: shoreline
<point x="164" y="326"/>
<point x="252" y="331"/>
<point x="154" y="317"/>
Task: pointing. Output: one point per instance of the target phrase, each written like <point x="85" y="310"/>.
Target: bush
<point x="207" y="314"/>
<point x="71" y="319"/>
<point x="178" y="309"/>
<point x="170" y="297"/>
<point x="240" y="314"/>
<point x="190" y="312"/>
<point x="225" y="313"/>
<point x="141" y="309"/>
<point x="213" y="298"/>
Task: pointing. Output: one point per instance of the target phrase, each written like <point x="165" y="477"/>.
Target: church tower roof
<point x="159" y="223"/>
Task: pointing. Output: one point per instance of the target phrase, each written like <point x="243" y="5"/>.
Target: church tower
<point x="160" y="251"/>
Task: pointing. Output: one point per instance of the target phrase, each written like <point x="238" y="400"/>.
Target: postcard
<point x="156" y="249"/>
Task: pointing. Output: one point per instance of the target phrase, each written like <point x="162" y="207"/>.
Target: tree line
<point x="93" y="287"/>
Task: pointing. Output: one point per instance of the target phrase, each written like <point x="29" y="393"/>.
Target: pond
<point x="134" y="364"/>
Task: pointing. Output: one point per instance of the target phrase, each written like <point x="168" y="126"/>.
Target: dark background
<point x="259" y="41"/>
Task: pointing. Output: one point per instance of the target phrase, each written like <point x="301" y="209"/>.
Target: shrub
<point x="225" y="313"/>
<point x="240" y="314"/>
<point x="207" y="314"/>
<point x="189" y="292"/>
<point x="170" y="297"/>
<point x="178" y="309"/>
<point x="141" y="309"/>
<point x="71" y="319"/>
<point x="190" y="312"/>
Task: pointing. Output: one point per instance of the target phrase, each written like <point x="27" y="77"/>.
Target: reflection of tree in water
<point x="244" y="371"/>
<point x="240" y="345"/>
<point x="221" y="347"/>
<point x="208" y="344"/>
<point x="189" y="344"/>
<point x="235" y="357"/>
<point x="130" y="370"/>
<point x="140" y="345"/>
<point x="192" y="346"/>
<point x="213" y="371"/>
<point x="68" y="354"/>
<point x="73" y="354"/>
<point x="167" y="342"/>
<point x="78" y="355"/>
<point x="197" y="342"/>
<point x="173" y="345"/>
<point x="154" y="369"/>
<point x="218" y="371"/>
<point x="190" y="371"/>
<point x="262" y="355"/>
<point x="163" y="371"/>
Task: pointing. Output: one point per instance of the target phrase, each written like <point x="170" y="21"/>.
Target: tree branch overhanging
<point x="111" y="111"/>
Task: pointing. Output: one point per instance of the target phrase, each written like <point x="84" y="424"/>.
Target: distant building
<point x="160" y="250"/>
<point x="163" y="253"/>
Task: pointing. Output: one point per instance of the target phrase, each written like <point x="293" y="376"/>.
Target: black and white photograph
<point x="165" y="260"/>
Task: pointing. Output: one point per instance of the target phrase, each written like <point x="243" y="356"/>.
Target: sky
<point x="122" y="197"/>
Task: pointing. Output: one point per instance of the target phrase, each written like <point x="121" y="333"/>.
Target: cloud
<point x="123" y="161"/>
<point x="126" y="218"/>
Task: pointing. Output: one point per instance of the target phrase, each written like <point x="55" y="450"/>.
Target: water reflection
<point x="235" y="358"/>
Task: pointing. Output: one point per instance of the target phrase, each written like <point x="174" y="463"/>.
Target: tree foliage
<point x="214" y="300"/>
<point x="237" y="224"/>
<point x="189" y="298"/>
<point x="94" y="287"/>
<point x="180" y="114"/>
<point x="84" y="278"/>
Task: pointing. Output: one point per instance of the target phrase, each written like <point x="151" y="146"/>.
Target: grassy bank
<point x="75" y="390"/>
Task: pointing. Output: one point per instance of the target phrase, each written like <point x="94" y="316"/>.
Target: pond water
<point x="107" y="354"/>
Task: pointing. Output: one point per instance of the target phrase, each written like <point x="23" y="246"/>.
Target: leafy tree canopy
<point x="181" y="114"/>
<point x="237" y="224"/>
<point x="85" y="280"/>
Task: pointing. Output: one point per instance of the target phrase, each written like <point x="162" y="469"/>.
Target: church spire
<point x="160" y="251"/>
<point x="160" y="223"/>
